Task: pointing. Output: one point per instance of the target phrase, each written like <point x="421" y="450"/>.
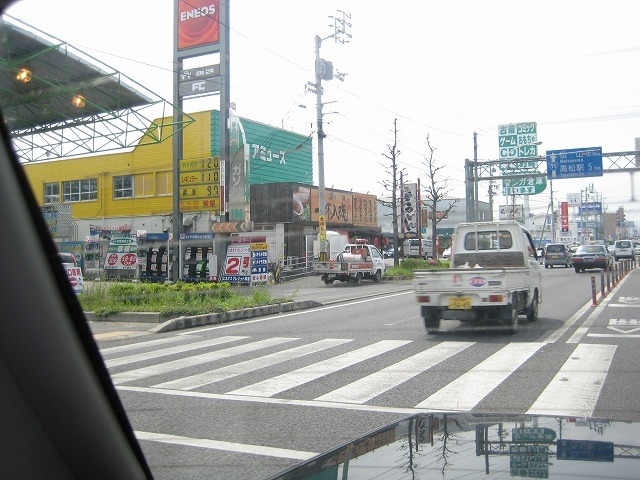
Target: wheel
<point x="546" y="266"/>
<point x="358" y="279"/>
<point x="532" y="311"/>
<point x="577" y="269"/>
<point x="377" y="276"/>
<point x="432" y="324"/>
<point x="512" y="323"/>
<point x="328" y="282"/>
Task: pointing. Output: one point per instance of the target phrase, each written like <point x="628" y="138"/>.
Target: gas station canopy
<point x="59" y="102"/>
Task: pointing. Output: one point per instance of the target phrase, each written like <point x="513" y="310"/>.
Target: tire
<point x="432" y="324"/>
<point x="358" y="279"/>
<point x="546" y="266"/>
<point x="532" y="311"/>
<point x="328" y="282"/>
<point x="512" y="323"/>
<point x="577" y="269"/>
<point x="377" y="276"/>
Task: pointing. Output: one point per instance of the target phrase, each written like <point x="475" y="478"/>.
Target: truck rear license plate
<point x="460" y="303"/>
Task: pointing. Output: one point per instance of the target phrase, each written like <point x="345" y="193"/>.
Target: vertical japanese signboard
<point x="564" y="216"/>
<point x="410" y="209"/>
<point x="365" y="210"/>
<point x="518" y="140"/>
<point x="259" y="262"/>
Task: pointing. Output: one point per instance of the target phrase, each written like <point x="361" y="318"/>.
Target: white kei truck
<point x="494" y="274"/>
<point x="356" y="262"/>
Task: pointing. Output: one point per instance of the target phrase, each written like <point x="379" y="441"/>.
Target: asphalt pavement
<point x="305" y="292"/>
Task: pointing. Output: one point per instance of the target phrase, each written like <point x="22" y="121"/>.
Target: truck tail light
<point x="496" y="298"/>
<point x="423" y="299"/>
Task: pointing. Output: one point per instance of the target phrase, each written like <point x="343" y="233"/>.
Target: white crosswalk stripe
<point x="149" y="371"/>
<point x="139" y="357"/>
<point x="206" y="378"/>
<point x="278" y="384"/>
<point x="466" y="392"/>
<point x="379" y="382"/>
<point x="575" y="389"/>
<point x="577" y="385"/>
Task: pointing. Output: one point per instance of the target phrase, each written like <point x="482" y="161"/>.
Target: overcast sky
<point x="444" y="69"/>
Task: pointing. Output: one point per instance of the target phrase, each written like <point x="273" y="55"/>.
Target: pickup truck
<point x="494" y="274"/>
<point x="356" y="262"/>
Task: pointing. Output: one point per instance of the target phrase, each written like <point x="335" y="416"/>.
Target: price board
<point x="200" y="188"/>
<point x="200" y="205"/>
<point x="200" y="191"/>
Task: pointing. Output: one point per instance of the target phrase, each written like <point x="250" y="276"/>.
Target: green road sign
<point x="538" y="435"/>
<point x="524" y="185"/>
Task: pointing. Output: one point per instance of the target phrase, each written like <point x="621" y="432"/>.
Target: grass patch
<point x="181" y="298"/>
<point x="408" y="265"/>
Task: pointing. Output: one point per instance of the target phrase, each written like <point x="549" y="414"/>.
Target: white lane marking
<point x="292" y="314"/>
<point x="270" y="401"/>
<point x="286" y="381"/>
<point x="468" y="390"/>
<point x="226" y="446"/>
<point x="556" y="334"/>
<point x="611" y="335"/>
<point x="230" y="371"/>
<point x="140" y="357"/>
<point x="584" y="328"/>
<point x="379" y="382"/>
<point x="138" y="346"/>
<point x="161" y="368"/>
<point x="577" y="385"/>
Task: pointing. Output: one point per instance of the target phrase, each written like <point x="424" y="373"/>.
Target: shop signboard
<point x="122" y="253"/>
<point x="518" y="140"/>
<point x="237" y="264"/>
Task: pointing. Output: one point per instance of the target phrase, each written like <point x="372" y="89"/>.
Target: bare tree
<point x="437" y="196"/>
<point x="393" y="186"/>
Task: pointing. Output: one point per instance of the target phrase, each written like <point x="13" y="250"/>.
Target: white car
<point x="446" y="253"/>
<point x="624" y="249"/>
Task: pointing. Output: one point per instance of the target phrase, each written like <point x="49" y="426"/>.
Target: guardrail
<point x="291" y="269"/>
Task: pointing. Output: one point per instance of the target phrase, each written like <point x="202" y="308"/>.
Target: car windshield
<point x="199" y="197"/>
<point x="591" y="249"/>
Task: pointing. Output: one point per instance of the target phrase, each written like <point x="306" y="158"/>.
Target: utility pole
<point x="324" y="71"/>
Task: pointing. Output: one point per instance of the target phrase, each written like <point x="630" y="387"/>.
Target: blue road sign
<point x="574" y="163"/>
<point x="595" y="451"/>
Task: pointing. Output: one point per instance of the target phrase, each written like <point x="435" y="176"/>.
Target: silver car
<point x="557" y="254"/>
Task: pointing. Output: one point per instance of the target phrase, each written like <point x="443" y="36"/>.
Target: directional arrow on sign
<point x="631" y="324"/>
<point x="232" y="227"/>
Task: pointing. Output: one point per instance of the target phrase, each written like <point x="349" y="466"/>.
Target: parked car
<point x="623" y="249"/>
<point x="446" y="253"/>
<point x="74" y="272"/>
<point x="636" y="248"/>
<point x="557" y="254"/>
<point x="389" y="252"/>
<point x="412" y="248"/>
<point x="592" y="256"/>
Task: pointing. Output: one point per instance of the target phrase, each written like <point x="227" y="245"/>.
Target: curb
<point x="214" y="318"/>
